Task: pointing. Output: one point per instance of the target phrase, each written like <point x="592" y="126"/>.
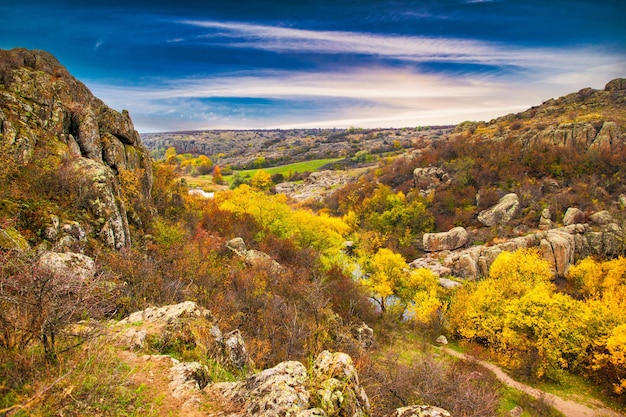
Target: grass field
<point x="310" y="166"/>
<point x="206" y="181"/>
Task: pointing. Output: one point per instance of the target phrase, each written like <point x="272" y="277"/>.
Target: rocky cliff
<point x="588" y="120"/>
<point x="51" y="120"/>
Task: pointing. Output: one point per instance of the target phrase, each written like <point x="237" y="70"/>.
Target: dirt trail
<point x="567" y="407"/>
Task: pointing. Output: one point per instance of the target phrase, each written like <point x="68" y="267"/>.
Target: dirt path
<point x="567" y="407"/>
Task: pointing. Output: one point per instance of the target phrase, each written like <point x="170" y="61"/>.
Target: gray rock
<point x="608" y="136"/>
<point x="545" y="222"/>
<point x="573" y="215"/>
<point x="68" y="264"/>
<point x="168" y="314"/>
<point x="450" y="240"/>
<point x="63" y="115"/>
<point x="364" y="334"/>
<point x="501" y="213"/>
<point x="275" y="392"/>
<point x="338" y="390"/>
<point x="237" y="245"/>
<point x="442" y="340"/>
<point x="235" y="350"/>
<point x="420" y="411"/>
<point x="429" y="177"/>
<point x="188" y="377"/>
<point x="616" y="85"/>
<point x="433" y="265"/>
<point x="449" y="283"/>
<point x="601" y="218"/>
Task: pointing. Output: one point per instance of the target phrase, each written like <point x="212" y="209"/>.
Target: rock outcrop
<point x="254" y="257"/>
<point x="315" y="187"/>
<point x="178" y="321"/>
<point x="43" y="109"/>
<point x="428" y="178"/>
<point x="561" y="247"/>
<point x="450" y="240"/>
<point x="67" y="264"/>
<point x="330" y="387"/>
<point x="333" y="389"/>
<point x="501" y="213"/>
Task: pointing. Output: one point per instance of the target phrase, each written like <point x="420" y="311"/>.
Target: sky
<point x="241" y="64"/>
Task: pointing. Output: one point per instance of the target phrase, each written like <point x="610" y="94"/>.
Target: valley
<point x="308" y="272"/>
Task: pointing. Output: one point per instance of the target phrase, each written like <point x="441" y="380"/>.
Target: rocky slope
<point x="50" y="119"/>
<point x="589" y="120"/>
<point x="330" y="387"/>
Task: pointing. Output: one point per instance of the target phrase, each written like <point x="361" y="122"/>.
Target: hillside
<point x="122" y="293"/>
<point x="242" y="148"/>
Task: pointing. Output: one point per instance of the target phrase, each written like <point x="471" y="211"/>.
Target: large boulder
<point x="67" y="264"/>
<point x="573" y="215"/>
<point x="331" y="388"/>
<point x="501" y="213"/>
<point x="280" y="391"/>
<point x="450" y="240"/>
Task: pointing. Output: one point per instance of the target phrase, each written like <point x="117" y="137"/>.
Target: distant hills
<point x="241" y="148"/>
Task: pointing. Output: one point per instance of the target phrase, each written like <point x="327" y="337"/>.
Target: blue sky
<point x="182" y="65"/>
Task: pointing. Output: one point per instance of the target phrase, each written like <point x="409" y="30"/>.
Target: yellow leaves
<point x="261" y="180"/>
<point x="425" y="307"/>
<point x="594" y="278"/>
<point x="524" y="266"/>
<point x="307" y="229"/>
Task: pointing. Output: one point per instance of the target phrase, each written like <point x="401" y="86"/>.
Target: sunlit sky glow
<point x="280" y="64"/>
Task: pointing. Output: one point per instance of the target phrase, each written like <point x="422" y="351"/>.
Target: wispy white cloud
<point x="407" y="48"/>
<point x="365" y="95"/>
<point x="367" y="98"/>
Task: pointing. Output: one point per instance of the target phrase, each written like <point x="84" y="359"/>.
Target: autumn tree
<point x="217" y="175"/>
<point x="517" y="312"/>
<point x="261" y="180"/>
<point x="397" y="290"/>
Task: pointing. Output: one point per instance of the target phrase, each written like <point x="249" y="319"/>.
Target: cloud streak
<point x="366" y="98"/>
<point x="416" y="49"/>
